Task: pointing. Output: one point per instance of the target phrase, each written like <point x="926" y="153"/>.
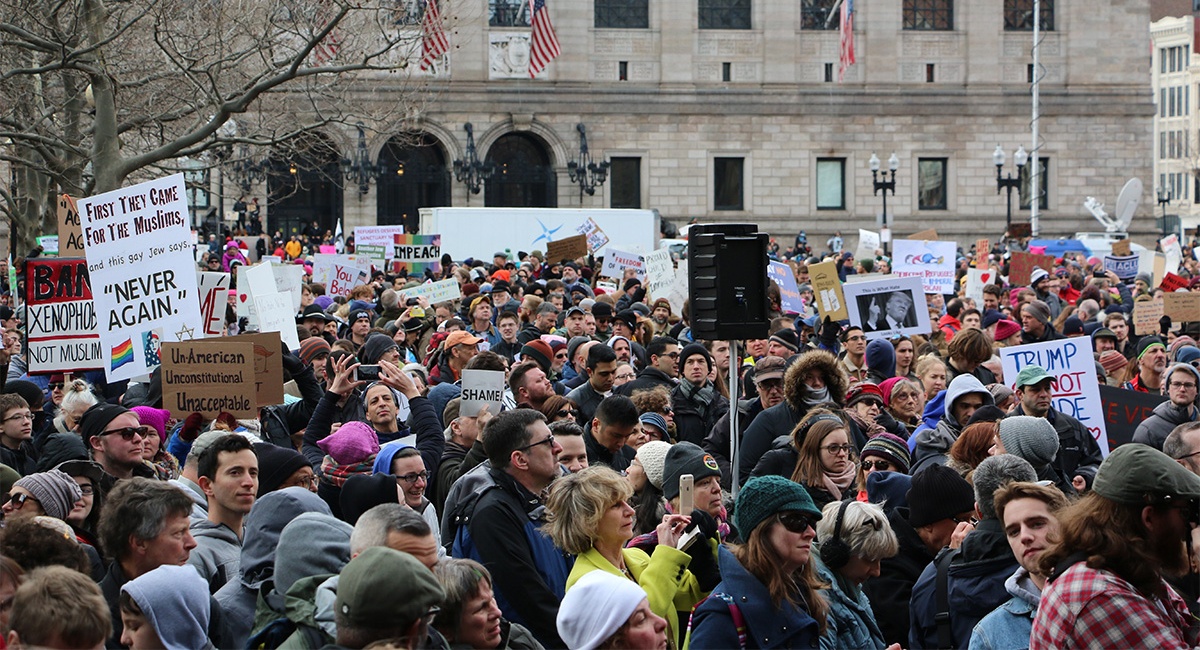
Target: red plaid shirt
<point x="1086" y="608"/>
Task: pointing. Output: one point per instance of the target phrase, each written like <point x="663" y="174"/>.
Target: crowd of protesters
<point x="896" y="492"/>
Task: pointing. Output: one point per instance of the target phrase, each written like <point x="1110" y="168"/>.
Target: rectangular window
<point x="815" y="15"/>
<point x="724" y="14"/>
<point x="625" y="182"/>
<point x="1043" y="185"/>
<point x="828" y="73"/>
<point x="728" y="183"/>
<point x="622" y="14"/>
<point x="929" y="73"/>
<point x="508" y="13"/>
<point x="726" y="71"/>
<point x="1162" y="60"/>
<point x="1174" y="58"/>
<point x="1162" y="144"/>
<point x="831" y="183"/>
<point x="929" y="15"/>
<point x="931" y="179"/>
<point x="622" y="71"/>
<point x="1171" y="102"/>
<point x="1029" y="73"/>
<point x="1162" y="102"/>
<point x="1018" y="15"/>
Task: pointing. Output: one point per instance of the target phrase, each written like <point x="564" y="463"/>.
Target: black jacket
<point x="647" y="379"/>
<point x="527" y="334"/>
<point x="691" y="424"/>
<point x="782" y="462"/>
<point x="890" y="591"/>
<point x="23" y="459"/>
<point x="717" y="441"/>
<point x="600" y="455"/>
<point x="281" y="421"/>
<point x="1078" y="452"/>
<point x="448" y="472"/>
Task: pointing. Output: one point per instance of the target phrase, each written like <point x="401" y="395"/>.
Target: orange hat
<point x="459" y="337"/>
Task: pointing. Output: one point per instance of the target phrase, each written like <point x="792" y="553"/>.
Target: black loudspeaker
<point x="727" y="282"/>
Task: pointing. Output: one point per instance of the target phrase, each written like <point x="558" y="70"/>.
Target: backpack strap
<point x="942" y="617"/>
<point x="739" y="621"/>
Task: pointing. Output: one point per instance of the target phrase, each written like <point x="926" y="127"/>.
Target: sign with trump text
<point x="1076" y="390"/>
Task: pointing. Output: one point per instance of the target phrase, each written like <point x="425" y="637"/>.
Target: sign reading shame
<point x="208" y="376"/>
<point x="481" y="388"/>
<point x="61" y="328"/>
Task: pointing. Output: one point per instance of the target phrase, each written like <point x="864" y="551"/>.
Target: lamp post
<point x="585" y="172"/>
<point x="1164" y="199"/>
<point x="1007" y="181"/>
<point x="888" y="184"/>
<point x="360" y="169"/>
<point x="469" y="170"/>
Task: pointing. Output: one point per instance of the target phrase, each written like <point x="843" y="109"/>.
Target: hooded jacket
<point x="1011" y="624"/>
<point x="881" y="361"/>
<point x="934" y="410"/>
<point x="647" y="379"/>
<point x="779" y="420"/>
<point x="850" y="622"/>
<point x="199" y="500"/>
<point x="933" y="445"/>
<point x="174" y="603"/>
<point x="217" y="555"/>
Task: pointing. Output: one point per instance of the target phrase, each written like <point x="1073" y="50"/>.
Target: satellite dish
<point x="1127" y="203"/>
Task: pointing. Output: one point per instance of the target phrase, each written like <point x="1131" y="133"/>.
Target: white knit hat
<point x="595" y="608"/>
<point x="653" y="457"/>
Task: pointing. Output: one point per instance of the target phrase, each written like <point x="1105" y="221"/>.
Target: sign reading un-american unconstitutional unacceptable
<point x="61" y="325"/>
<point x="209" y="376"/>
<point x="139" y="254"/>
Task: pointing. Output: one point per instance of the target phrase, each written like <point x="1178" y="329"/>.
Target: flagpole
<point x="833" y="10"/>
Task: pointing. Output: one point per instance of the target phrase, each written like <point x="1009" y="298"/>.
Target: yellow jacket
<point x="669" y="586"/>
<point x="292" y="248"/>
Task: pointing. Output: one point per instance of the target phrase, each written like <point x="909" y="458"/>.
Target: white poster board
<point x="481" y="388"/>
<point x="617" y="260"/>
<point x="977" y="279"/>
<point x="932" y="261"/>
<point x="1076" y="391"/>
<point x="868" y="242"/>
<point x="888" y="307"/>
<point x="275" y="314"/>
<point x="434" y="292"/>
<point x="660" y="273"/>
<point x="1173" y="252"/>
<point x="214" y="297"/>
<point x="377" y="236"/>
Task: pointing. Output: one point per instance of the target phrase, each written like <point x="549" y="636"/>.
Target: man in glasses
<point x="1078" y="455"/>
<point x="1180" y="408"/>
<point x="16" y="433"/>
<point x="114" y="436"/>
<point x="663" y="369"/>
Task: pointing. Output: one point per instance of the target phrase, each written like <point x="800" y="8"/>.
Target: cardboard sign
<point x="781" y="274"/>
<point x="275" y="314"/>
<point x="616" y="261"/>
<point x="1020" y="230"/>
<point x="61" y="317"/>
<point x="1124" y="410"/>
<point x="268" y="366"/>
<point x="1153" y="264"/>
<point x="1021" y="266"/>
<point x="1172" y="253"/>
<point x="567" y="249"/>
<point x="868" y="242"/>
<point x="1126" y="266"/>
<point x="888" y="307"/>
<point x="660" y="273"/>
<point x="1076" y="391"/>
<point x="827" y="288"/>
<point x="1146" y="314"/>
<point x="481" y="388"/>
<point x="70" y="231"/>
<point x="983" y="248"/>
<point x="977" y="279"/>
<point x="1171" y="283"/>
<point x="1120" y="248"/>
<point x="932" y="261"/>
<point x="139" y="251"/>
<point x="435" y="292"/>
<point x="208" y="377"/>
<point x="1182" y="306"/>
<point x="416" y="253"/>
<point x="214" y="297"/>
<point x="928" y="234"/>
<point x="596" y="239"/>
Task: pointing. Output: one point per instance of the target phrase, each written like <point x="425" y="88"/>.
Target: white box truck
<point x="480" y="232"/>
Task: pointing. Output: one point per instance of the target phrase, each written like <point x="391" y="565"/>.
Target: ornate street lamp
<point x="360" y="169"/>
<point x="471" y="171"/>
<point x="1007" y="181"/>
<point x="585" y="172"/>
<point x="888" y="184"/>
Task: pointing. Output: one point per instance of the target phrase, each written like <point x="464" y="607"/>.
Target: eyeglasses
<point x="19" y="417"/>
<point x="1182" y="384"/>
<point x="548" y="440"/>
<point x="413" y="478"/>
<point x="881" y="465"/>
<point x="673" y="355"/>
<point x="1194" y="453"/>
<point x="795" y="522"/>
<point x="18" y="499"/>
<point x="127" y="433"/>
<point x="87" y="490"/>
<point x="838" y="449"/>
<point x="856" y="338"/>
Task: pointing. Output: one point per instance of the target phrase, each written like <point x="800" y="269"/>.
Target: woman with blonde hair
<point x="820" y="458"/>
<point x="589" y="516"/>
<point x="855" y="538"/>
<point x="931" y="372"/>
<point x="77" y="398"/>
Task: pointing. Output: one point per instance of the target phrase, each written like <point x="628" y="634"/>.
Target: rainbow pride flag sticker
<point x="122" y="354"/>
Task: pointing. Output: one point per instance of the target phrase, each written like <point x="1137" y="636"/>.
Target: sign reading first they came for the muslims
<point x="143" y="274"/>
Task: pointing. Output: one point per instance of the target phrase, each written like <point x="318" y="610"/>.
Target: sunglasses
<point x="796" y="522"/>
<point x="127" y="433"/>
<point x="18" y="500"/>
<point x="562" y="413"/>
<point x="881" y="465"/>
<point x="56" y="385"/>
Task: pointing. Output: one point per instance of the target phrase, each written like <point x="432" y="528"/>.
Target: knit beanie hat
<point x="1187" y="354"/>
<point x="1037" y="275"/>
<point x="595" y="608"/>
<point x="686" y="458"/>
<point x="787" y="338"/>
<point x="889" y="447"/>
<point x="96" y="418"/>
<point x="361" y="492"/>
<point x="275" y="465"/>
<point x="999" y="392"/>
<point x="990" y="317"/>
<point x="937" y="493"/>
<point x="353" y="442"/>
<point x="986" y="413"/>
<point x="155" y="418"/>
<point x="1182" y="366"/>
<point x="539" y="352"/>
<point x="55" y="490"/>
<point x="1143" y="277"/>
<point x="1072" y="326"/>
<point x="1030" y="438"/>
<point x="1038" y="310"/>
<point x="1006" y="328"/>
<point x="1179" y="342"/>
<point x="888" y="489"/>
<point x="1113" y="362"/>
<point x="1147" y="342"/>
<point x="375" y="347"/>
<point x="311" y="347"/>
<point x="763" y="496"/>
<point x="693" y="349"/>
<point x="653" y="456"/>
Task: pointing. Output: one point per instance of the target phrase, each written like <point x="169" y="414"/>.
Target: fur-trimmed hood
<point x="821" y="361"/>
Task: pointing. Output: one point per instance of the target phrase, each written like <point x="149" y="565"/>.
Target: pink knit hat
<point x="152" y="417"/>
<point x="353" y="442"/>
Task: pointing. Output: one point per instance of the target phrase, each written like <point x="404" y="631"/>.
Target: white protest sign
<point x="481" y="388"/>
<point x="679" y="289"/>
<point x="1076" y="391"/>
<point x="977" y="279"/>
<point x="660" y="273"/>
<point x="323" y="265"/>
<point x="377" y="236"/>
<point x="867" y="243"/>
<point x="214" y="296"/>
<point x="260" y="280"/>
<point x="616" y="261"/>
<point x="275" y="314"/>
<point x="49" y="244"/>
<point x="344" y="279"/>
<point x="435" y="292"/>
<point x="932" y="261"/>
<point x="289" y="279"/>
<point x="596" y="239"/>
<point x="139" y="251"/>
<point x="1173" y="252"/>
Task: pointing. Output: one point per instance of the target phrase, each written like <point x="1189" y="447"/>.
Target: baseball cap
<point x="460" y="337"/>
<point x="1031" y="375"/>
<point x="769" y="368"/>
<point x="1138" y="474"/>
<point x="385" y="585"/>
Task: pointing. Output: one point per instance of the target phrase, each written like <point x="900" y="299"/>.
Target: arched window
<point x="304" y="183"/>
<point x="414" y="177"/>
<point x="523" y="177"/>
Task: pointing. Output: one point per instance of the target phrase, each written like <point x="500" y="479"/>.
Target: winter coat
<point x="1154" y="429"/>
<point x="975" y="586"/>
<point x="279" y="422"/>
<point x="217" y="555"/>
<point x="767" y="626"/>
<point x="647" y="379"/>
<point x="692" y="425"/>
<point x="850" y="622"/>
<point x="933" y="445"/>
<point x="310" y="604"/>
<point x="1010" y="625"/>
<point x="587" y="400"/>
<point x="512" y="637"/>
<point x="779" y="420"/>
<point x="600" y="455"/>
<point x="448" y="472"/>
<point x="717" y="441"/>
<point x="1078" y="452"/>
<point x="23" y="459"/>
<point x="891" y="590"/>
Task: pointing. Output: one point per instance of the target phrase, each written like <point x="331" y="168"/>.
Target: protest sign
<point x="608" y="287"/>
<point x="868" y="242"/>
<point x="268" y="366"/>
<point x="139" y="252"/>
<point x="1120" y="247"/>
<point x="929" y="234"/>
<point x="435" y="292"/>
<point x="977" y="279"/>
<point x="1076" y="391"/>
<point x="983" y="249"/>
<point x="376" y="236"/>
<point x="60" y="317"/>
<point x="827" y="288"/>
<point x="888" y="307"/>
<point x="1153" y="264"/>
<point x="1126" y="266"/>
<point x="679" y="289"/>
<point x="567" y="249"/>
<point x="1020" y="230"/>
<point x="327" y="249"/>
<point x="1021" y="266"/>
<point x="70" y="232"/>
<point x="596" y="239"/>
<point x="616" y="261"/>
<point x="1146" y="314"/>
<point x="1172" y="253"/>
<point x="781" y="274"/>
<point x="344" y="279"/>
<point x="275" y="314"/>
<point x="1124" y="410"/>
<point x="660" y="273"/>
<point x="289" y="279"/>
<point x="481" y="388"/>
<point x="208" y="376"/>
<point x="932" y="261"/>
<point x="1182" y="306"/>
<point x="416" y="253"/>
<point x="259" y="280"/>
<point x="377" y="254"/>
<point x="214" y="297"/>
<point x="1171" y="282"/>
<point x="49" y="244"/>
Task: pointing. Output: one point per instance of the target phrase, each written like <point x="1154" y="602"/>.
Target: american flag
<point x="846" y="39"/>
<point x="543" y="43"/>
<point x="433" y="38"/>
<point x="325" y="50"/>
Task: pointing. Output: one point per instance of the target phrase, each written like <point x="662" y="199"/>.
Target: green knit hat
<point x="764" y="496"/>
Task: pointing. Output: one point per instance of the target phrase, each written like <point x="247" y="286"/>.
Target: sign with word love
<point x="481" y="388"/>
<point x="61" y="317"/>
<point x="1076" y="391"/>
<point x="139" y="252"/>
